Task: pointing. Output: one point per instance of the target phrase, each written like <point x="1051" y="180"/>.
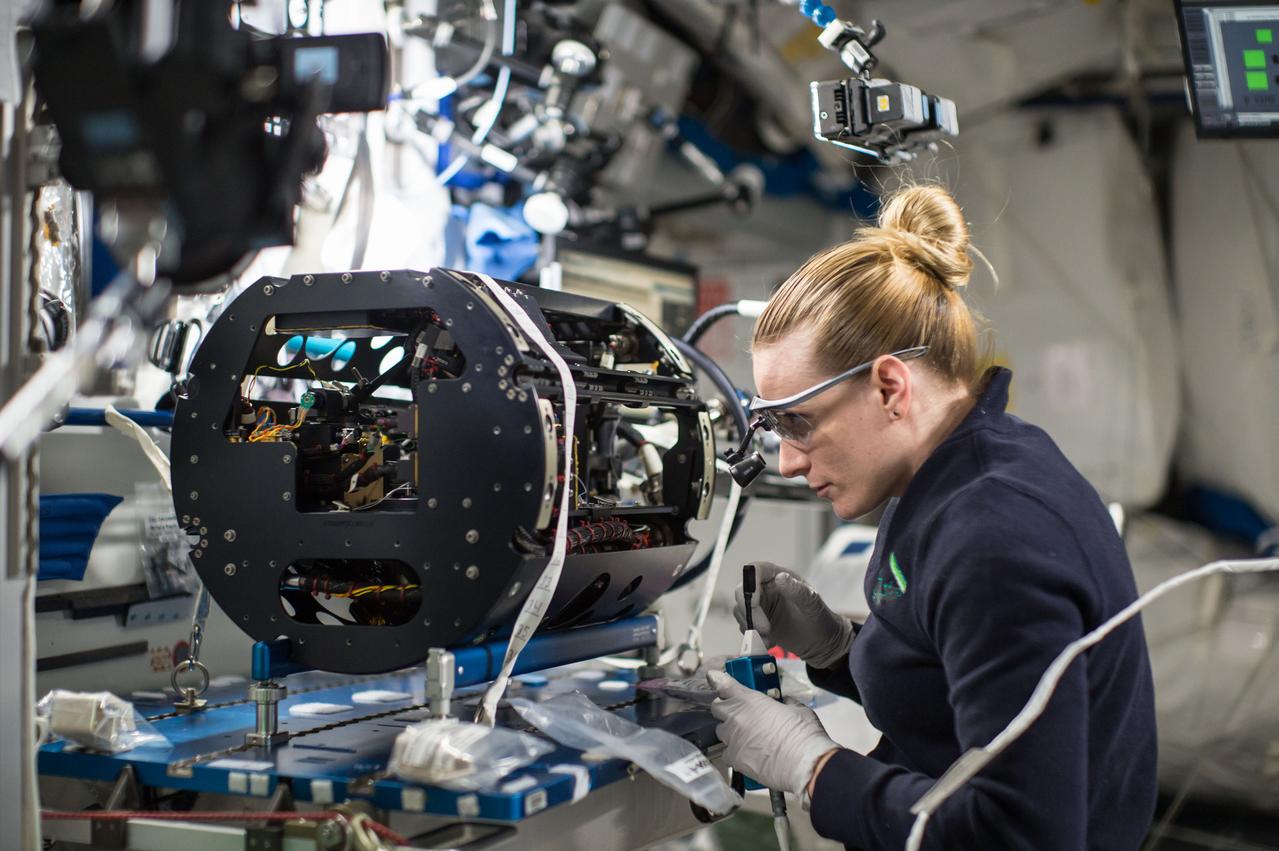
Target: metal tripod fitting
<point x="440" y="670"/>
<point x="266" y="695"/>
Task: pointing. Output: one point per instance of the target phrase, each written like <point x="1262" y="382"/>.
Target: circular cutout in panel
<point x="342" y="355"/>
<point x="290" y="350"/>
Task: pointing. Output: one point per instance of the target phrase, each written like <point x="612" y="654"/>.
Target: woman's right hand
<point x="787" y="611"/>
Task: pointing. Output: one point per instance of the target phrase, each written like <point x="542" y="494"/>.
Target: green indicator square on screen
<point x="1256" y="81"/>
<point x="1265" y="36"/>
<point x="1254" y="59"/>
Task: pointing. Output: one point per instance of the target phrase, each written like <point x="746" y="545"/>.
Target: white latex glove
<point x="787" y="611"/>
<point x="776" y="744"/>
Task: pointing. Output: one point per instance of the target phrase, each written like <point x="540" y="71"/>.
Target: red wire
<point x="245" y="815"/>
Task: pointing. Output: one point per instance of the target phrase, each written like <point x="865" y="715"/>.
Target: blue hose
<point x="817" y="12"/>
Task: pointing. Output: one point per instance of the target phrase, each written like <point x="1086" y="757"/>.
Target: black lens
<point x="748" y="469"/>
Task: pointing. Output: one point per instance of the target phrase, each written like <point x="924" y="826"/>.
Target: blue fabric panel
<point x="69" y="524"/>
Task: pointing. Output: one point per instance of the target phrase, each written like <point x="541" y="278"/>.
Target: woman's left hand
<point x="776" y="744"/>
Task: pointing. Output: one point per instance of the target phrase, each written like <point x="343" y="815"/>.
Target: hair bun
<point x="930" y="232"/>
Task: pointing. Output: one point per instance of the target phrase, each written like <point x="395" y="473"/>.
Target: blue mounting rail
<point x="475" y="665"/>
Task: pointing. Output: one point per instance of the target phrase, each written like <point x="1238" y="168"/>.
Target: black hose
<point x="702" y="323"/>
<point x="724" y="385"/>
<point x="718" y="377"/>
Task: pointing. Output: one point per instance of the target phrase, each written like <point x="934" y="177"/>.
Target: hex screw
<point x="195" y="495"/>
<point x="229" y="570"/>
<point x="267" y="289"/>
<point x="229" y="535"/>
<point x="195" y="459"/>
<point x="385" y="276"/>
<point x="472" y="536"/>
<point x="346" y="277"/>
<point x="466" y="502"/>
<point x="286" y="496"/>
<point x="308" y="279"/>
<point x="472" y="572"/>
<point x="288" y="459"/>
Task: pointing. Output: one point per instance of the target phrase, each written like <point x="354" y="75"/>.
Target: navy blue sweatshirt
<point x="997" y="556"/>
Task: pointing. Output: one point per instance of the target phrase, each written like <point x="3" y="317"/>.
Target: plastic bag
<point x="166" y="559"/>
<point x="692" y="689"/>
<point x="574" y="721"/>
<point x="461" y="755"/>
<point x="97" y="720"/>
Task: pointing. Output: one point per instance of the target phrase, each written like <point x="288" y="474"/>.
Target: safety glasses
<point x="774" y="415"/>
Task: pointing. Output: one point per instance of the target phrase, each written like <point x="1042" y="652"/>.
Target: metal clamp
<point x="267" y="696"/>
<point x="440" y="676"/>
<point x="190" y="697"/>
<point x="690" y="648"/>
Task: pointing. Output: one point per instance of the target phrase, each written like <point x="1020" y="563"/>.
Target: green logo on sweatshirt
<point x="890" y="587"/>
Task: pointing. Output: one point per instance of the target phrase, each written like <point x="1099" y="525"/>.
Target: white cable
<point x="693" y="642"/>
<point x="496" y="102"/>
<point x="539" y="599"/>
<point x="154" y="453"/>
<point x="972" y="762"/>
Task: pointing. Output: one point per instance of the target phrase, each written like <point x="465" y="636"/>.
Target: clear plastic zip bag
<point x="576" y="722"/>
<point x="461" y="755"/>
<point x="96" y="720"/>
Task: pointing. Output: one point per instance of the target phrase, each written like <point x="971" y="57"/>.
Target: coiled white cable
<point x="972" y="762"/>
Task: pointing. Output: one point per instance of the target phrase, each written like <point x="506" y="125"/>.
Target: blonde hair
<point x="888" y="288"/>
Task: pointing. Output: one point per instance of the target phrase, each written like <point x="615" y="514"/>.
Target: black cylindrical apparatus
<point x="372" y="462"/>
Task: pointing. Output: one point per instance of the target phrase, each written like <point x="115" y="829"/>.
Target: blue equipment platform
<point x="333" y="757"/>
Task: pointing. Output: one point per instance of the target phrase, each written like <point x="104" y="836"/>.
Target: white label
<point x="413" y="800"/>
<point x="535" y="802"/>
<point x="468" y="806"/>
<point x="691" y="767"/>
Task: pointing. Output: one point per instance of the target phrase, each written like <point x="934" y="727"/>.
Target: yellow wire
<point x="306" y="362"/>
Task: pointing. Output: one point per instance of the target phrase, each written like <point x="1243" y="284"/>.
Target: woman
<point x="993" y="554"/>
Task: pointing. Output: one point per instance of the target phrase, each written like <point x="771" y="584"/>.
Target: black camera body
<point x="881" y="118"/>
<point x="210" y="125"/>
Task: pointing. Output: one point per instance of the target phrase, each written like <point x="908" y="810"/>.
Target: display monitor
<point x="664" y="290"/>
<point x="1231" y="50"/>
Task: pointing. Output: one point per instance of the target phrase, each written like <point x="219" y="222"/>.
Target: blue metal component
<point x="271" y="660"/>
<point x="758" y="673"/>
<point x="98" y="417"/>
<point x="344" y="755"/>
<point x="480" y="664"/>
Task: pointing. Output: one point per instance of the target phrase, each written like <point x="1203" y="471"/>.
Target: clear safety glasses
<point x="774" y="415"/>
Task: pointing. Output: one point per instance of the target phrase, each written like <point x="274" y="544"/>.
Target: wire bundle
<point x="601" y="532"/>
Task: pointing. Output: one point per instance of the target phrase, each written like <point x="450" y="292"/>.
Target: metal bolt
<point x="496" y="430"/>
<point x="528" y="429"/>
<point x="472" y="536"/>
<point x="457" y="565"/>
<point x="346" y="277"/>
<point x="448" y="323"/>
<point x="457" y="622"/>
<point x="472" y="572"/>
<point x="385" y="276"/>
<point x="470" y="305"/>
<point x="426" y="565"/>
<point x="431" y="388"/>
<point x="229" y="570"/>
<point x="508" y="360"/>
<point x="198" y="554"/>
<point x="528" y="487"/>
<point x="308" y="279"/>
<point x="288" y="459"/>
<point x="229" y="534"/>
<point x="204" y="530"/>
<point x="497" y="487"/>
<point x="515" y="589"/>
<point x="197" y="521"/>
<point x="271" y="563"/>
<point x="479" y="367"/>
<point x="267" y="289"/>
<point x="194" y="415"/>
<point x="195" y="459"/>
<point x="510" y="394"/>
<point x="501" y="370"/>
<point x="286" y="496"/>
<point x="204" y="542"/>
<point x="466" y="387"/>
<point x="466" y="502"/>
<point x="186" y="519"/>
<point x="432" y="502"/>
<point x="195" y="495"/>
